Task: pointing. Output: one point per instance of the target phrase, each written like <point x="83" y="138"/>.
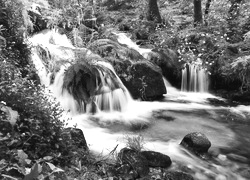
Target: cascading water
<point x="194" y="78"/>
<point x="84" y="87"/>
<point x="162" y="124"/>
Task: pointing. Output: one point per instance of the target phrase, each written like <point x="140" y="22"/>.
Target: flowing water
<point x="163" y="123"/>
<point x="194" y="78"/>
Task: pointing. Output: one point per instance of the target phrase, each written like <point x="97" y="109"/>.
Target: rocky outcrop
<point x="167" y="60"/>
<point x="138" y="162"/>
<point x="84" y="81"/>
<point x="156" y="159"/>
<point x="76" y="137"/>
<point x="197" y="143"/>
<point x="144" y="80"/>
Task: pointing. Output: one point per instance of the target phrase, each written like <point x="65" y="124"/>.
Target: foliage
<point x="13" y="27"/>
<point x="135" y="142"/>
<point x="33" y="141"/>
<point x="35" y="135"/>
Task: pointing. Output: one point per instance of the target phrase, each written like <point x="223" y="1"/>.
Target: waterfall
<point x="85" y="86"/>
<point x="194" y="78"/>
<point x="122" y="38"/>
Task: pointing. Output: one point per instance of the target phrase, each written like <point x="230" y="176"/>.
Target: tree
<point x="197" y="13"/>
<point x="153" y="13"/>
<point x="208" y="3"/>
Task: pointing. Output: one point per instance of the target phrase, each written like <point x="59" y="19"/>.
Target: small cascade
<point x="80" y="87"/>
<point x="124" y="39"/>
<point x="194" y="79"/>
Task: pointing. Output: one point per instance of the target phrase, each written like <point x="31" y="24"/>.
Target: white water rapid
<point x="162" y="124"/>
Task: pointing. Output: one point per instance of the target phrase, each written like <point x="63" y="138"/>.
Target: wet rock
<point x="124" y="169"/>
<point x="83" y="81"/>
<point x="124" y="27"/>
<point x="175" y="175"/>
<point x="145" y="81"/>
<point x="142" y="35"/>
<point x="167" y="60"/>
<point x="196" y="142"/>
<point x="156" y="159"/>
<point x="76" y="137"/>
<point x="138" y="162"/>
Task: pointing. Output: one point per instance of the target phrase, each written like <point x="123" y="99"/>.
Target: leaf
<point x="34" y="173"/>
<point x="3" y="43"/>
<point x="12" y="115"/>
<point x="47" y="158"/>
<point x="22" y="156"/>
<point x="54" y="168"/>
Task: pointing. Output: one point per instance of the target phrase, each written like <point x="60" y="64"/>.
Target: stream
<point x="162" y="124"/>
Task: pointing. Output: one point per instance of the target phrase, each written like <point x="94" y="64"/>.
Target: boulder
<point x="84" y="81"/>
<point x="124" y="27"/>
<point x="156" y="159"/>
<point x="167" y="60"/>
<point x="76" y="137"/>
<point x="142" y="34"/>
<point x="196" y="142"/>
<point x="175" y="175"/>
<point x="138" y="162"/>
<point x="144" y="80"/>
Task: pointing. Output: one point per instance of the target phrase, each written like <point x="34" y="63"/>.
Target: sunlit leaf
<point x="11" y="114"/>
<point x="54" y="168"/>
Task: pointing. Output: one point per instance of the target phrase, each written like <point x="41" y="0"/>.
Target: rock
<point x="138" y="162"/>
<point x="142" y="34"/>
<point x="83" y="81"/>
<point x="142" y="78"/>
<point x="156" y="159"/>
<point x="196" y="142"/>
<point x="76" y="137"/>
<point x="175" y="175"/>
<point x="39" y="23"/>
<point x="124" y="27"/>
<point x="167" y="60"/>
<point x="145" y="81"/>
<point x="124" y="169"/>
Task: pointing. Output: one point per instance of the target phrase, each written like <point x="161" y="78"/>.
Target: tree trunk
<point x="208" y="3"/>
<point x="153" y="13"/>
<point x="197" y="12"/>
